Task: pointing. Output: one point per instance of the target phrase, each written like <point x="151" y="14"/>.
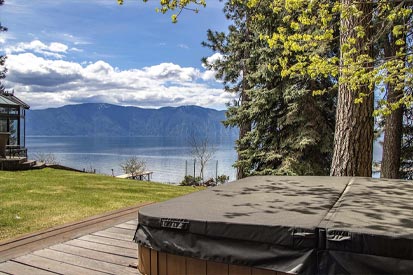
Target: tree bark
<point x="245" y="128"/>
<point x="390" y="165"/>
<point x="393" y="127"/>
<point x="353" y="137"/>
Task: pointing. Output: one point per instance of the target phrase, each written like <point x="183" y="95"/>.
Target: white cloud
<point x="210" y="74"/>
<point x="44" y="82"/>
<point x="5" y="37"/>
<point x="73" y="39"/>
<point x="76" y="50"/>
<point x="57" y="47"/>
<point x="54" y="49"/>
<point x="215" y="57"/>
<point x="183" y="46"/>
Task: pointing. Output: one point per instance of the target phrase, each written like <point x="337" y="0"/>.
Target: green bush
<point x="222" y="179"/>
<point x="191" y="181"/>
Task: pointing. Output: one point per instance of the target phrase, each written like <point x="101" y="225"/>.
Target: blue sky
<point x="73" y="51"/>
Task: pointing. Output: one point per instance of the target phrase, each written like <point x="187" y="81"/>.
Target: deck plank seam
<point x="112" y="237"/>
<point x="122" y="229"/>
<point x="86" y="257"/>
<point x="111" y="244"/>
<point x="134" y="250"/>
<point x="36" y="267"/>
<point x="123" y="240"/>
<point x="91" y="249"/>
<point x="41" y="256"/>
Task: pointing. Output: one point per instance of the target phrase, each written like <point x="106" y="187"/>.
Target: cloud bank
<point x="38" y="73"/>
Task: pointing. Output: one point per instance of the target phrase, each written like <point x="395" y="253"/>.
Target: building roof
<point x="5" y="101"/>
<point x="12" y="99"/>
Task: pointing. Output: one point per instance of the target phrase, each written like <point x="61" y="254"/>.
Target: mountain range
<point x="95" y="119"/>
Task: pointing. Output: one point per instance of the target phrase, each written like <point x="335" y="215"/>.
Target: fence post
<point x="194" y="167"/>
<point x="186" y="168"/>
<point x="216" y="173"/>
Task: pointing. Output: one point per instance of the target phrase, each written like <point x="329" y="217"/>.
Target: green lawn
<point x="38" y="199"/>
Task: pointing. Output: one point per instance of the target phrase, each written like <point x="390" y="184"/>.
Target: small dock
<point x="99" y="245"/>
<point x="146" y="175"/>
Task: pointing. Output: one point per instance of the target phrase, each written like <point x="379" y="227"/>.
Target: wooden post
<point x="24" y="131"/>
<point x="194" y="167"/>
<point x="216" y="173"/>
<point x="18" y="130"/>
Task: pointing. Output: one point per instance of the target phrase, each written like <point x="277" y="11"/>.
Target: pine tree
<point x="292" y="131"/>
<point x="353" y="141"/>
<point x="393" y="122"/>
<point x="234" y="68"/>
<point x="307" y="28"/>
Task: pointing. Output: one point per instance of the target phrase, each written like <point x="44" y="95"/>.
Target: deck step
<point x="28" y="164"/>
<point x="39" y="165"/>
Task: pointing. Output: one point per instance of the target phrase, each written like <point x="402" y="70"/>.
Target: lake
<point x="168" y="158"/>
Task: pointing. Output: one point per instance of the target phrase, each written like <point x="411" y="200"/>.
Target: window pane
<point x="3" y="125"/>
<point x="13" y="132"/>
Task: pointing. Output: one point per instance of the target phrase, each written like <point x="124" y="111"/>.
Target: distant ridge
<point x="98" y="119"/>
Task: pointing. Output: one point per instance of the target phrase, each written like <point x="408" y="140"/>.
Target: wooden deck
<point x="107" y="251"/>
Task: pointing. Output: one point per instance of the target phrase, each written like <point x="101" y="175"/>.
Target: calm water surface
<point x="164" y="156"/>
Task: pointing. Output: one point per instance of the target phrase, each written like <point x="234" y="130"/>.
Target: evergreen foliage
<point x="175" y="5"/>
<point x="308" y="28"/>
<point x="292" y="131"/>
<point x="396" y="45"/>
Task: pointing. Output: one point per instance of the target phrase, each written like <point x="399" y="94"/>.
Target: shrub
<point x="222" y="179"/>
<point x="133" y="166"/>
<point x="191" y="181"/>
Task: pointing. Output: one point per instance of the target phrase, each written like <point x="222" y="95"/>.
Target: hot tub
<point x="273" y="225"/>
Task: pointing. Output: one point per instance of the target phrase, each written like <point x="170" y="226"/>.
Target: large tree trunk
<point x="390" y="165"/>
<point x="353" y="138"/>
<point x="244" y="129"/>
<point x="393" y="127"/>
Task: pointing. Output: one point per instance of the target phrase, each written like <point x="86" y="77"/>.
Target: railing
<point x="16" y="151"/>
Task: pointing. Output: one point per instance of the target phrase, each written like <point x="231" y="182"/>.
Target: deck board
<point x="18" y="268"/>
<point x="126" y="226"/>
<point x="107" y="250"/>
<point x="54" y="266"/>
<point x="22" y="245"/>
<point x="112" y="235"/>
<point x="123" y="231"/>
<point x="125" y="252"/>
<point x="133" y="222"/>
<point x="84" y="262"/>
<point x="96" y="255"/>
<point x="110" y="241"/>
